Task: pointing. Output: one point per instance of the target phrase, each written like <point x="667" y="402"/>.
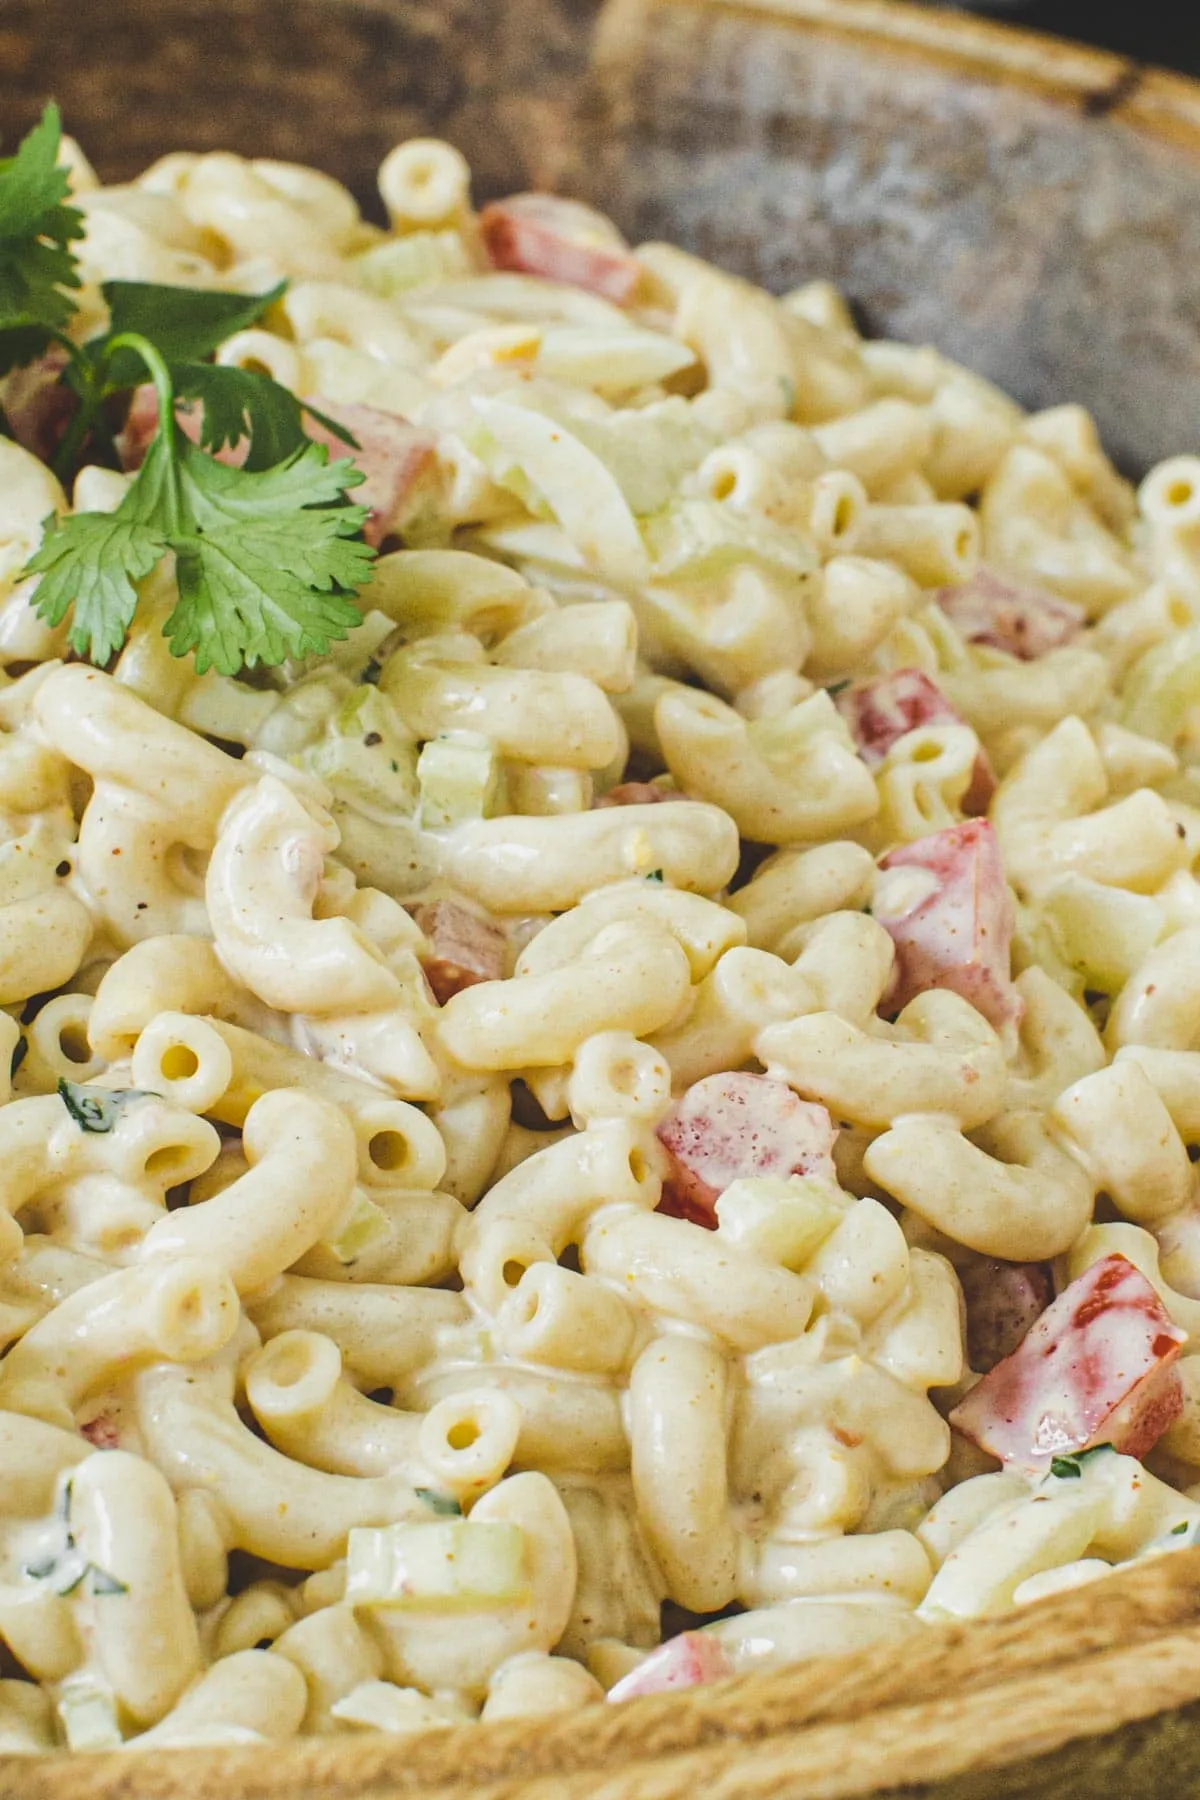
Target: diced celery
<point x="459" y="775"/>
<point x="399" y="264"/>
<point x="363" y="1225"/>
<point x="1163" y="686"/>
<point x="449" y="1564"/>
<point x="647" y="450"/>
<point x="382" y="1706"/>
<point x="365" y="756"/>
<point x="1102" y="932"/>
<point x="694" y="540"/>
<point x="781" y="1219"/>
<point x="88" y="1714"/>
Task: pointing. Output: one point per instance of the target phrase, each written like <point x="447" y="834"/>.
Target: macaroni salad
<point x="628" y="1117"/>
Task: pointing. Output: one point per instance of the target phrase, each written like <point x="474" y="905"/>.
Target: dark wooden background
<point x="1033" y="209"/>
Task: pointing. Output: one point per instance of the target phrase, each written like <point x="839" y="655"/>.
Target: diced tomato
<point x="103" y="1432"/>
<point x="464" y="948"/>
<point x="562" y="240"/>
<point x="393" y="455"/>
<point x="688" y="1660"/>
<point x="1008" y="615"/>
<point x="1098" y="1367"/>
<point x="881" y="712"/>
<point x="635" y="793"/>
<point x="37" y="405"/>
<point x="729" y="1126"/>
<point x="1003" y="1300"/>
<point x="950" y="916"/>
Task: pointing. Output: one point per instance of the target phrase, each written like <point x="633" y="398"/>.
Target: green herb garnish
<point x="445" y="1504"/>
<point x="268" y="556"/>
<point x="37" y="228"/>
<point x="1070" y="1468"/>
<point x="95" y="1109"/>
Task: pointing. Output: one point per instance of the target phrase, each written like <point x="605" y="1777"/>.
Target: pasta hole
<point x="191" y="1309"/>
<point x="463" y="1435"/>
<point x="186" y="868"/>
<point x="844" y="515"/>
<point x="289" y="1366"/>
<point x="161" y="1161"/>
<point x="1180" y="493"/>
<point x="388" y="1150"/>
<point x="179" y="1062"/>
<point x="926" y="753"/>
<point x="527" y="1307"/>
<point x="512" y="1272"/>
<point x="962" y="543"/>
<point x="637" y="1165"/>
<point x="73" y="1043"/>
<point x="623" y="1076"/>
<point x="724" y="485"/>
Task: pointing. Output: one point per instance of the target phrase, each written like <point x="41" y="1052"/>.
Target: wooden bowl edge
<point x="1135" y="1655"/>
<point x="1101" y="83"/>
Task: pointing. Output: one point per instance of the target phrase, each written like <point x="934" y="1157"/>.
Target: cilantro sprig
<point x="266" y="561"/>
<point x="268" y="555"/>
<point x="37" y="228"/>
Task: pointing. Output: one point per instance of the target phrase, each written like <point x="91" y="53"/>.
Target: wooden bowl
<point x="1032" y="207"/>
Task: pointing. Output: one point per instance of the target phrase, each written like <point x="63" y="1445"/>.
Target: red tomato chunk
<point x="881" y="712"/>
<point x="464" y="949"/>
<point x="394" y="456"/>
<point x="729" y="1126"/>
<point x="688" y="1660"/>
<point x="561" y="240"/>
<point x="1025" y="621"/>
<point x="1098" y="1367"/>
<point x="952" y="924"/>
<point x="37" y="404"/>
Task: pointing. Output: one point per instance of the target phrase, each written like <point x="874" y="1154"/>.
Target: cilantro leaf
<point x="267" y="560"/>
<point x="90" y="561"/>
<point x="36" y="231"/>
<point x="184" y="324"/>
<point x="241" y="403"/>
<point x="270" y="568"/>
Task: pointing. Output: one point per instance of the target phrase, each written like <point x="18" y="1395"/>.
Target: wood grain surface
<point x="1035" y="209"/>
<point x="1032" y="207"/>
<point x="967" y="1704"/>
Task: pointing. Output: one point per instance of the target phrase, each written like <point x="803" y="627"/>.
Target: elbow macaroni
<point x="335" y="1066"/>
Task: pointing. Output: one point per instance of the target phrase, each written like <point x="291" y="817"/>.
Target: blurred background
<point x="1161" y="31"/>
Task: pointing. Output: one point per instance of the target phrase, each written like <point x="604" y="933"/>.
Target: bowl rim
<point x="960" y="1698"/>
<point x="1102" y="84"/>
